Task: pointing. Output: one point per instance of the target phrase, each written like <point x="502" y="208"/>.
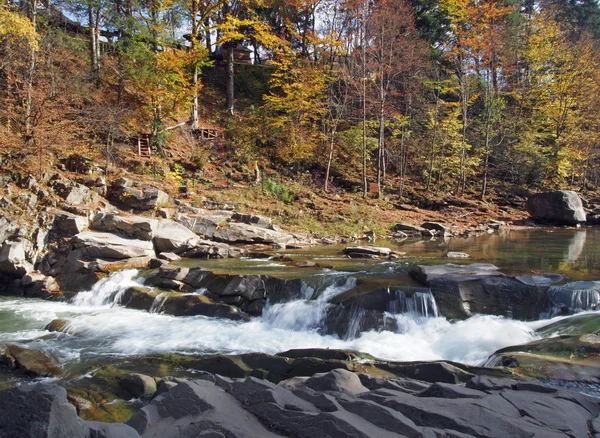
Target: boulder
<point x="139" y="385"/>
<point x="95" y="244"/>
<point x="72" y="193"/>
<point x="561" y="207"/>
<point x="68" y="225"/>
<point x="37" y="285"/>
<point x="123" y="192"/>
<point x="30" y="362"/>
<point x="204" y="222"/>
<point x="206" y="249"/>
<point x="13" y="258"/>
<point x="252" y="219"/>
<point x="171" y="236"/>
<point x="134" y="227"/>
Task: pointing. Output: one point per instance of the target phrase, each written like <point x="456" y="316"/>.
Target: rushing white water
<point x="108" y="290"/>
<point x="95" y="329"/>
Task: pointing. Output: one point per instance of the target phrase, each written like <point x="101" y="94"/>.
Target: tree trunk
<point x="230" y="79"/>
<point x="380" y="150"/>
<point x="94" y="62"/>
<point x="193" y="47"/>
<point x="32" y="13"/>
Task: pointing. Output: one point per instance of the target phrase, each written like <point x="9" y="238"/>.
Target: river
<point x="100" y="331"/>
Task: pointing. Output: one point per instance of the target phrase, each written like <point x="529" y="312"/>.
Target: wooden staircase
<point x="144" y="148"/>
<point x="203" y="133"/>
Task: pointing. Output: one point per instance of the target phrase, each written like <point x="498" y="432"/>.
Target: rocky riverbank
<point x="338" y="403"/>
<point x="88" y="230"/>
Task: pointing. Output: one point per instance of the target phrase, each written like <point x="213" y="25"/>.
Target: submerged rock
<point x="367" y="251"/>
<point x="562" y="207"/>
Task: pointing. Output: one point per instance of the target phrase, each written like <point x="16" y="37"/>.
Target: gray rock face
<point x="13" y="258"/>
<point x="343" y="404"/>
<point x="72" y="193"/>
<point x="252" y="219"/>
<point x="94" y="244"/>
<point x="204" y="222"/>
<point x="135" y="227"/>
<point x="562" y="207"/>
<point x="145" y="198"/>
<point x="42" y="411"/>
<point x="7" y="229"/>
<point x="173" y="237"/>
<point x="67" y="224"/>
<point x="244" y="233"/>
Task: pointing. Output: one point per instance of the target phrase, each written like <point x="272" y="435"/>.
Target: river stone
<point x="171" y="236"/>
<point x="213" y="250"/>
<point x="359" y="251"/>
<point x="408" y="229"/>
<point x="457" y="255"/>
<point x="425" y="273"/>
<point x="339" y="380"/>
<point x="204" y="222"/>
<point x="138" y="385"/>
<point x="30" y="362"/>
<point x="134" y="227"/>
<point x="95" y="244"/>
<point x="57" y="325"/>
<point x="562" y="207"/>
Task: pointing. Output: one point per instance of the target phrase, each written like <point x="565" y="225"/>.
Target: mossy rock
<point x="574" y="325"/>
<point x="575" y="358"/>
<point x="326" y="354"/>
<point x="58" y="325"/>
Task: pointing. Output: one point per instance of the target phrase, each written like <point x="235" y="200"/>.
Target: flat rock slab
<point x="95" y="244"/>
<point x="357" y="251"/>
<point x="136" y="227"/>
<point x="426" y="273"/>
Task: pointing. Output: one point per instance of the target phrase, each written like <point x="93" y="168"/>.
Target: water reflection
<point x="573" y="253"/>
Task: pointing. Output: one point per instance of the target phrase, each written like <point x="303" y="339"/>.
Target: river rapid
<point x="99" y="331"/>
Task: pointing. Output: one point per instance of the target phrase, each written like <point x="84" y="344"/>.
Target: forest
<point x="369" y="96"/>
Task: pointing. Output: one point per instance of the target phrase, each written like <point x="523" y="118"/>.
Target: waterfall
<point x="419" y="303"/>
<point x="107" y="291"/>
<point x="305" y="314"/>
<point x="575" y="297"/>
<point x="158" y="302"/>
